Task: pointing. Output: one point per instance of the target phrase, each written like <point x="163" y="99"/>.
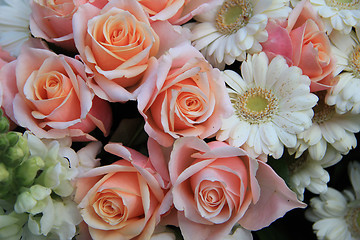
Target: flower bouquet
<point x="179" y="119"/>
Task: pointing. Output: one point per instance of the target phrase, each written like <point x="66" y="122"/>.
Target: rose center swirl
<point x="49" y="85"/>
<point x="233" y="15"/>
<point x="256" y="105"/>
<point x="354" y="61"/>
<point x="352" y="218"/>
<point x="110" y="208"/>
<point x="343" y="4"/>
<point x="322" y="111"/>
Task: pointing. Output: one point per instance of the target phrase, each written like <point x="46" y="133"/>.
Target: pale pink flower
<point x="302" y="40"/>
<point x="52" y="21"/>
<point x="216" y="186"/>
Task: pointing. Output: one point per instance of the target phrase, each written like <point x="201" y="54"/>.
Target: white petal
<point x="317" y="151"/>
<point x="268" y="134"/>
<point x="240" y="134"/>
<point x="289" y="140"/>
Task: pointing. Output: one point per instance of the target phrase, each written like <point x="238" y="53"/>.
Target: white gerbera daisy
<point x="230" y="28"/>
<point x="345" y="94"/>
<point x="14" y="24"/>
<point x="336" y="215"/>
<point x="305" y="172"/>
<point x="272" y="103"/>
<point x="336" y="14"/>
<point x="328" y="127"/>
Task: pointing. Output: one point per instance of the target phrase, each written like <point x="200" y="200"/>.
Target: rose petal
<point x="275" y="200"/>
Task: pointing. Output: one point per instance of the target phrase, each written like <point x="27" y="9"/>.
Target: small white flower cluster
<point x="46" y="210"/>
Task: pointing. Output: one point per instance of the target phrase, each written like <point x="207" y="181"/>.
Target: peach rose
<point x="47" y="94"/>
<point x="303" y="42"/>
<point x="182" y="96"/>
<point x="115" y="42"/>
<point x="52" y="21"/>
<point x="175" y="11"/>
<point x="216" y="186"/>
<point x="122" y="200"/>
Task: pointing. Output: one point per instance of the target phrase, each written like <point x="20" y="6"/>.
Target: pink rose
<point x="122" y="200"/>
<point x="303" y="42"/>
<point x="115" y="42"/>
<point x="52" y="21"/>
<point x="216" y="186"/>
<point x="47" y="94"/>
<point x="182" y="96"/>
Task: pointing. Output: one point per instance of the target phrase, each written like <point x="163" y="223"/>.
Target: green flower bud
<point x="4" y="173"/>
<point x="4" y="190"/>
<point x="6" y="184"/>
<point x="4" y="144"/>
<point x="4" y="123"/>
<point x="24" y="202"/>
<point x="13" y="137"/>
<point x="23" y="144"/>
<point x="27" y="171"/>
<point x="18" y="150"/>
<point x="13" y="157"/>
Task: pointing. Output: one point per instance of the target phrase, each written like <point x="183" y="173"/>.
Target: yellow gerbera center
<point x="353" y="220"/>
<point x="256" y="105"/>
<point x="344" y="4"/>
<point x="322" y="111"/>
<point x="233" y="15"/>
<point x="354" y="61"/>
